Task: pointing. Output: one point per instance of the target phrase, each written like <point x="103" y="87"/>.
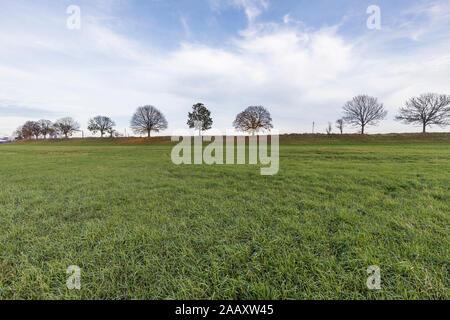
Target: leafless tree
<point x="21" y="133"/>
<point x="115" y="134"/>
<point x="253" y="119"/>
<point x="112" y="132"/>
<point x="427" y="109"/>
<point x="53" y="134"/>
<point x="101" y="124"/>
<point x="364" y="110"/>
<point x="147" y="119"/>
<point x="36" y="129"/>
<point x="329" y="129"/>
<point x="66" y="126"/>
<point x="18" y="134"/>
<point x="25" y="130"/>
<point x="30" y="129"/>
<point x="340" y="125"/>
<point x="46" y="127"/>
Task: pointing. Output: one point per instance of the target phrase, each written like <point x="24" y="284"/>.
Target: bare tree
<point x="46" y="127"/>
<point x="253" y="119"/>
<point x="35" y="129"/>
<point x="101" y="124"/>
<point x="112" y="132"/>
<point x="364" y="110"/>
<point x="427" y="109"/>
<point x="115" y="134"/>
<point x="66" y="126"/>
<point x="340" y="125"/>
<point x="329" y="129"/>
<point x="30" y="129"/>
<point x="53" y="133"/>
<point x="19" y="134"/>
<point x="147" y="119"/>
<point x="25" y="130"/>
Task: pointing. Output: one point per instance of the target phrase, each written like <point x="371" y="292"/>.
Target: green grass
<point x="143" y="228"/>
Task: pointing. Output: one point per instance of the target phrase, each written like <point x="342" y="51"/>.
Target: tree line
<point x="362" y="111"/>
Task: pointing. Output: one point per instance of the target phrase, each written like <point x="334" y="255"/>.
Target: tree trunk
<point x="362" y="129"/>
<point x="424" y="128"/>
<point x="101" y="134"/>
<point x="148" y="133"/>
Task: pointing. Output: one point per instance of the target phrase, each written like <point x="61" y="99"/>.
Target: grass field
<point x="140" y="227"/>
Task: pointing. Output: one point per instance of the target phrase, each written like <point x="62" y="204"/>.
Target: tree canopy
<point x="66" y="126"/>
<point x="253" y="119"/>
<point x="200" y="115"/>
<point x="101" y="124"/>
<point x="147" y="119"/>
<point x="364" y="110"/>
<point x="427" y="109"/>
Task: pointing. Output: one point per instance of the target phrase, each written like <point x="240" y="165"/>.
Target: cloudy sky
<point x="301" y="59"/>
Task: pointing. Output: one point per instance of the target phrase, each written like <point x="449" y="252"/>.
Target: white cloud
<point x="287" y="18"/>
<point x="252" y="8"/>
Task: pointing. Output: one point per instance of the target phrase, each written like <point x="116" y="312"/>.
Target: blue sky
<point x="301" y="59"/>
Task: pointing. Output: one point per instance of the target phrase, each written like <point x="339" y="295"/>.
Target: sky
<point x="300" y="59"/>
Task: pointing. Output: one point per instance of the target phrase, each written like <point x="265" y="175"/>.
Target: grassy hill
<point x="139" y="226"/>
<point x="284" y="139"/>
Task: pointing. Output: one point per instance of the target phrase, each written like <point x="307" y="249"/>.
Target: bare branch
<point x="66" y="126"/>
<point x="427" y="109"/>
<point x="253" y="119"/>
<point x="102" y="124"/>
<point x="147" y="119"/>
<point x="363" y="110"/>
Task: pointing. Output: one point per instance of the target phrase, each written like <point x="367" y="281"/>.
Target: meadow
<point x="140" y="227"/>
